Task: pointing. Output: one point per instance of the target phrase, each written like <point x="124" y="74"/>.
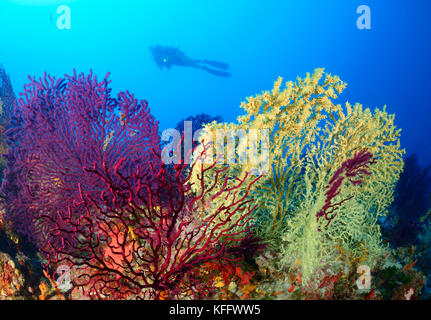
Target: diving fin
<point x="217" y="72"/>
<point x="217" y="64"/>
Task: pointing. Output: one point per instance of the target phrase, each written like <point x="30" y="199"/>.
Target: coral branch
<point x="353" y="169"/>
<point x="145" y="239"/>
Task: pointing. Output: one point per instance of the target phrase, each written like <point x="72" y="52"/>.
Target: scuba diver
<point x="171" y="56"/>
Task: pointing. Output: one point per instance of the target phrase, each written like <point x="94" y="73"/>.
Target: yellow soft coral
<point x="309" y="137"/>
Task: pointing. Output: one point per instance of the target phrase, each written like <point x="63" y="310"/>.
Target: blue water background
<point x="261" y="40"/>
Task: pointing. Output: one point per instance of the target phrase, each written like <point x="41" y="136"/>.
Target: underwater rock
<point x="397" y="278"/>
<point x="7" y="101"/>
<point x="11" y="280"/>
<point x="411" y="207"/>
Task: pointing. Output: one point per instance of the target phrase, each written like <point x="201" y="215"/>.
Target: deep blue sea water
<point x="261" y="40"/>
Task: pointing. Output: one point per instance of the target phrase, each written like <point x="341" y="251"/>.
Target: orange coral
<point x="44" y="287"/>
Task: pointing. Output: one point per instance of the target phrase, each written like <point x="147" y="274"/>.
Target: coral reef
<point x="286" y="203"/>
<point x="86" y="183"/>
<point x="310" y="139"/>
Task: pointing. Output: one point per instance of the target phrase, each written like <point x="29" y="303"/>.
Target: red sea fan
<point x="146" y="239"/>
<point x="60" y="127"/>
<point x="352" y="169"/>
<point x="85" y="180"/>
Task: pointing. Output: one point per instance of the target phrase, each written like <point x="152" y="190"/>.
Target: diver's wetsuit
<point x="170" y="56"/>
